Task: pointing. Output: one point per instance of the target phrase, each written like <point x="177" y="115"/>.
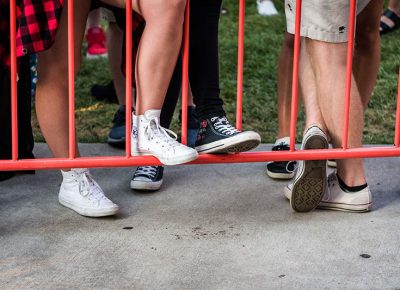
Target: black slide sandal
<point x="384" y="28"/>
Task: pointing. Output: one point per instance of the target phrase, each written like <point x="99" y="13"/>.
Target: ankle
<point x="318" y="124"/>
<point x="396" y="10"/>
<point x="352" y="186"/>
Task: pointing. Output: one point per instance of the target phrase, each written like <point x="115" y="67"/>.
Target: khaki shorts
<point x="324" y="20"/>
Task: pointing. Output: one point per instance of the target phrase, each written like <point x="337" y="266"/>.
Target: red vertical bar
<point x="14" y="102"/>
<point x="71" y="79"/>
<point x="295" y="77"/>
<point x="349" y="73"/>
<point x="129" y="73"/>
<point x="240" y="72"/>
<point x="397" y="132"/>
<point x="185" y="74"/>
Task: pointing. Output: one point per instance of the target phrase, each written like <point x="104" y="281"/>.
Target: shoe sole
<point x="88" y="212"/>
<point x="308" y="189"/>
<point x="354" y="208"/>
<point x="345" y="207"/>
<point x="175" y="161"/>
<point x="280" y="176"/>
<point x="116" y="142"/>
<point x="243" y="142"/>
<point x="146" y="186"/>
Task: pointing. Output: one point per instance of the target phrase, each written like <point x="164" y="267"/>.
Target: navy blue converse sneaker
<point x="217" y="135"/>
<point x="147" y="178"/>
<point x="193" y="126"/>
<point x="116" y="137"/>
<point x="105" y="93"/>
<point x="281" y="169"/>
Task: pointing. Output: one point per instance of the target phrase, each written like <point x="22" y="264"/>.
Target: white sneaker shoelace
<point x="149" y="171"/>
<point x="223" y="126"/>
<point x="155" y="132"/>
<point x="89" y="188"/>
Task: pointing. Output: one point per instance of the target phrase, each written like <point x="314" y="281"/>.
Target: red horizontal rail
<point x="249" y="157"/>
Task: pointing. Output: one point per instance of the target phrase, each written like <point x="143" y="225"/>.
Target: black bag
<point x="25" y="135"/>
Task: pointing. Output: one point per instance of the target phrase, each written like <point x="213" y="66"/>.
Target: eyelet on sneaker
<point x="173" y="153"/>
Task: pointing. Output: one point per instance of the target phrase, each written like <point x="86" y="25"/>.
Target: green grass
<point x="264" y="37"/>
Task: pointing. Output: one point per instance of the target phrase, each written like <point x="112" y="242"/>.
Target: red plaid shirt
<point x="37" y="23"/>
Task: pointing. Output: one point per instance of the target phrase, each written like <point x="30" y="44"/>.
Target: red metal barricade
<point x="121" y="161"/>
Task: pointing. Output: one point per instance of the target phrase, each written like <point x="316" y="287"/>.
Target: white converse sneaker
<point x="149" y="138"/>
<point x="335" y="198"/>
<point x="82" y="194"/>
<point x="310" y="180"/>
<point x="266" y="8"/>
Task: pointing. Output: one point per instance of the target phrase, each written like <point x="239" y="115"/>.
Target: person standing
<point x="322" y="81"/>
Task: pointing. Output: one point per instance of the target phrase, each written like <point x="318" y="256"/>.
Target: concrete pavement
<point x="210" y="227"/>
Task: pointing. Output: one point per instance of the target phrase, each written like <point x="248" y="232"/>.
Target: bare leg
<point x="394" y="5"/>
<point x="367" y="51"/>
<point x="52" y="87"/>
<point x="114" y="43"/>
<point x="330" y="80"/>
<point x="285" y="86"/>
<point x="309" y="90"/>
<point x="158" y="50"/>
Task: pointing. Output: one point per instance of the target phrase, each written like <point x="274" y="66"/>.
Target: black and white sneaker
<point x="116" y="137"/>
<point x="281" y="169"/>
<point x="147" y="178"/>
<point x="217" y="135"/>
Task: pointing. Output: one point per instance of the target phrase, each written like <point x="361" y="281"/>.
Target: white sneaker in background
<point x="82" y="194"/>
<point x="266" y="8"/>
<point x="149" y="138"/>
<point x="335" y="198"/>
